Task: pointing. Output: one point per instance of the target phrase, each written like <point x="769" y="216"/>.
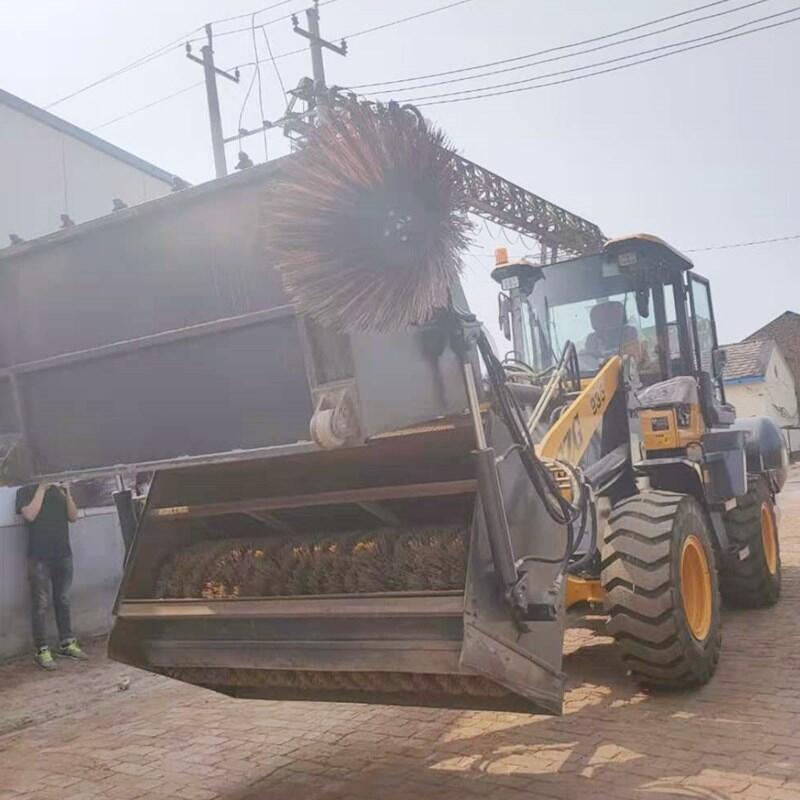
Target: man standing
<point x="47" y="510"/>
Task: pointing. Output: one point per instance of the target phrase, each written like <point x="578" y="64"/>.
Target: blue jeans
<point x="42" y="574"/>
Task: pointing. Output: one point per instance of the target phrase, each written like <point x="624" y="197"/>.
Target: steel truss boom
<point x="503" y="202"/>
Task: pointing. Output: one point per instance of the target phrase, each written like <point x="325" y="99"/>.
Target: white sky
<point x="700" y="149"/>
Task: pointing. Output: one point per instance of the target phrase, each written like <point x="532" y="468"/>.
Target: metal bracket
<point x="334" y="422"/>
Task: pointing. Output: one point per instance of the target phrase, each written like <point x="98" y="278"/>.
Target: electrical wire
<point x="148" y="105"/>
<point x="659" y="48"/>
<point x="385" y="25"/>
<point x="504" y="91"/>
<point x="273" y="58"/>
<point x="252" y="13"/>
<point x="582" y="52"/>
<point x="260" y="86"/>
<point x="486" y="64"/>
<point x="734" y="245"/>
<point x="743" y="244"/>
<point x="268" y="22"/>
<point x="406" y="19"/>
<point x="141" y="61"/>
<point x="244" y="105"/>
<point x="274" y="63"/>
<point x="167" y="48"/>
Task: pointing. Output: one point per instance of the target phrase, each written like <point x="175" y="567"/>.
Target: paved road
<point x="78" y="734"/>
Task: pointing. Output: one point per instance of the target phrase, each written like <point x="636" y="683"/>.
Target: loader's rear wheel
<point x="752" y="579"/>
<point x="662" y="594"/>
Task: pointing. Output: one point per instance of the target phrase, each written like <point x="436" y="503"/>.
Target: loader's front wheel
<point x="752" y="577"/>
<point x="662" y="594"/>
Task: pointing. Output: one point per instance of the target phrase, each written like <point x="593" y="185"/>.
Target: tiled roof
<point x="785" y="332"/>
<point x="747" y="359"/>
<point x="23" y="106"/>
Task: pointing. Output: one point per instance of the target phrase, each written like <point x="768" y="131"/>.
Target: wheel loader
<point x="390" y="513"/>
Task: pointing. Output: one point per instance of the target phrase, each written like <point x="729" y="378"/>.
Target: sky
<point x="700" y="148"/>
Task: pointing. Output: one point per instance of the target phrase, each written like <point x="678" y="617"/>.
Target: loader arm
<point x="568" y="439"/>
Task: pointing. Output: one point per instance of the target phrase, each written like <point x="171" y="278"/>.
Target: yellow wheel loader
<point x="404" y="514"/>
<point x="683" y="492"/>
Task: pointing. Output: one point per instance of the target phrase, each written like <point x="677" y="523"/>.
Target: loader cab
<point x="639" y="298"/>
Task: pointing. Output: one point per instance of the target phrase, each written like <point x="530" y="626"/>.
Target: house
<point x="55" y="174"/>
<point x="759" y="383"/>
<point x="51" y="168"/>
<point x="784" y="330"/>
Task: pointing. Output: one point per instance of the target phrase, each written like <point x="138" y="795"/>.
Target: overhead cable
<point x="503" y="89"/>
<point x="585" y="51"/>
<point x="570" y="45"/>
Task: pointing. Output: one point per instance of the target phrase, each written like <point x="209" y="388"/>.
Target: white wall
<point x="774" y="396"/>
<point x="98" y="553"/>
<point x="45" y="172"/>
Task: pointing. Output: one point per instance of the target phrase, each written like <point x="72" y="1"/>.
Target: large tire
<point x="669" y="634"/>
<point x="752" y="579"/>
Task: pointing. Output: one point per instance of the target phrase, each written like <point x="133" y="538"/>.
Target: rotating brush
<point x="368" y="221"/>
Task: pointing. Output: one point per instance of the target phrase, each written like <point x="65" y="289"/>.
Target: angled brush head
<point x="368" y="222"/>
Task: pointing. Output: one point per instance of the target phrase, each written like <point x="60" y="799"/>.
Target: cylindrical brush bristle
<point x="367" y="224"/>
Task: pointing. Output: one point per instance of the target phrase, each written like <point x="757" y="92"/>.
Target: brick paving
<point x="81" y="735"/>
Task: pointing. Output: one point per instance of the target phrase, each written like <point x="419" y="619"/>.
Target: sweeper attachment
<point x="415" y="553"/>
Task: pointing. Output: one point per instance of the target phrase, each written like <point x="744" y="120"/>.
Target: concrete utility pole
<point x="316" y="44"/>
<point x="314" y="93"/>
<point x="210" y="72"/>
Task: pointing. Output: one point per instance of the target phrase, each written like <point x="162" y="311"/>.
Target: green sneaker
<point x="44" y="658"/>
<point x="70" y="649"/>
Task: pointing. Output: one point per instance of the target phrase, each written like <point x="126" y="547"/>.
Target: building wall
<point x="98" y="553"/>
<point x="773" y="396"/>
<point x="46" y="172"/>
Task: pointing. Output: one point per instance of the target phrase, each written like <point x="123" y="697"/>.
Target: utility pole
<point x="210" y="72"/>
<point x="313" y="92"/>
<point x="315" y="44"/>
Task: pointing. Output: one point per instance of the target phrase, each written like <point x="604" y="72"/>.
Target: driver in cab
<point x="611" y="334"/>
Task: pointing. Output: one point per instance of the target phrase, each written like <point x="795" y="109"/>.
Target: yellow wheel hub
<point x="769" y="538"/>
<point x="696" y="587"/>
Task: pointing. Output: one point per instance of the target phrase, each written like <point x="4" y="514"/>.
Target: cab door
<point x="704" y="334"/>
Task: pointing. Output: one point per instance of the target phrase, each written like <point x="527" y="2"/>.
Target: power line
<point x="167" y="48"/>
<point x="581" y="52"/>
<point x="260" y="87"/>
<point x="244" y="105"/>
<point x="611" y="60"/>
<point x="744" y="244"/>
<point x="542" y="52"/>
<point x="149" y="105"/>
<point x="141" y="61"/>
<point x="385" y="25"/>
<point x="755" y="243"/>
<point x="274" y="63"/>
<point x="406" y="19"/>
<point x="504" y="91"/>
<point x="252" y="13"/>
<point x="263" y="24"/>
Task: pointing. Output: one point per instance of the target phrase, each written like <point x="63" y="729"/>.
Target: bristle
<point x="411" y="559"/>
<point x="367" y="224"/>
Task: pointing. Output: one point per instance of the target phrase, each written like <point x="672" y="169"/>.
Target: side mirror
<point x="504" y="315"/>
<point x="643" y="302"/>
<point x="719" y="360"/>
